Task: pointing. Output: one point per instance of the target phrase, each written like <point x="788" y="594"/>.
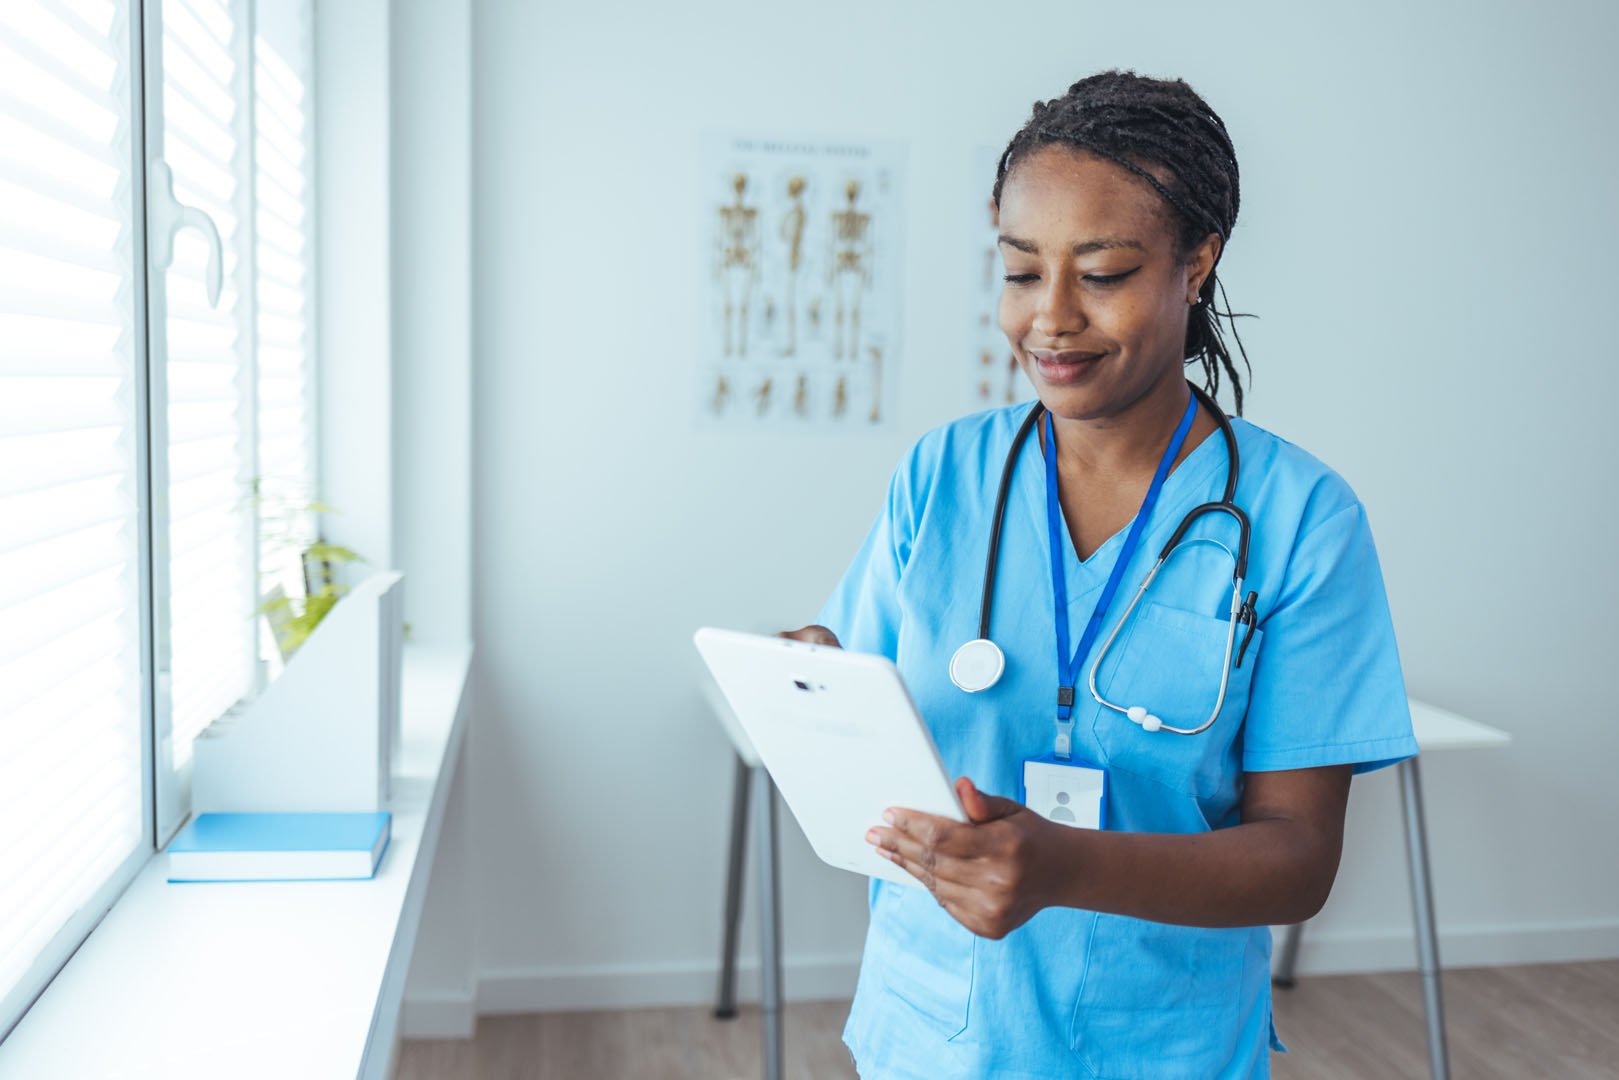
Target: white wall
<point x="431" y="219"/>
<point x="1426" y="230"/>
<point x="430" y="183"/>
<point x="353" y="230"/>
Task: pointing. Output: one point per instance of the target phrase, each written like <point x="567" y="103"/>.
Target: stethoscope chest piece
<point x="977" y="665"/>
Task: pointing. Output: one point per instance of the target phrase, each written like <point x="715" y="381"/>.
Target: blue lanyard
<point x="1068" y="669"/>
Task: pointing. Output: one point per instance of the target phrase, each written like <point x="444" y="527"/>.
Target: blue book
<point x="279" y="847"/>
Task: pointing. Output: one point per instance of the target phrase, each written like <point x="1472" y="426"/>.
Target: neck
<point x="1133" y="439"/>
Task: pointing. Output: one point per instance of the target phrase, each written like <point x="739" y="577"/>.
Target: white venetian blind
<point x="210" y="541"/>
<point x="284" y="259"/>
<point x="71" y="792"/>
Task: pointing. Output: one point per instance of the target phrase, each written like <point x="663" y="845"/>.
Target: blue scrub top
<point x="1079" y="993"/>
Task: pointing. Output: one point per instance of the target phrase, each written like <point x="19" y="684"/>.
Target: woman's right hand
<point x="815" y="635"/>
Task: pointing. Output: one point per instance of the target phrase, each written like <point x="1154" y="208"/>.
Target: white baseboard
<point x="1329" y="953"/>
<point x="439" y="1015"/>
<point x="822" y="978"/>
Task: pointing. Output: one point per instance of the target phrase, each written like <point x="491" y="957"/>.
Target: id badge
<point x="1069" y="792"/>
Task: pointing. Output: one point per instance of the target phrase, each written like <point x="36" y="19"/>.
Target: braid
<point x="1161" y="131"/>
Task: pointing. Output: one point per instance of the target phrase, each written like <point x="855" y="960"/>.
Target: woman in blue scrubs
<point x="1029" y="948"/>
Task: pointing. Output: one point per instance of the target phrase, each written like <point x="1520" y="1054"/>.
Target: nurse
<point x="1030" y="948"/>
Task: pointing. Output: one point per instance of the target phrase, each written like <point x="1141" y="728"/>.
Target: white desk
<point x="252" y="980"/>
<point x="1435" y="729"/>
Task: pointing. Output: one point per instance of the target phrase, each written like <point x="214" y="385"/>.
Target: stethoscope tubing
<point x="1240" y="610"/>
<point x="993" y="559"/>
<point x="1226" y="504"/>
<point x="1225" y="668"/>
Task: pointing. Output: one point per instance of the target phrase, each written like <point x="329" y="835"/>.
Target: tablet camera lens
<point x="801" y="684"/>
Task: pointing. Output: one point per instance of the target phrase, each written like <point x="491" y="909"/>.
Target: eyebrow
<point x="1086" y="247"/>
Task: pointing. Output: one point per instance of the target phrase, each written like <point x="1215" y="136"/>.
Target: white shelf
<point x="260" y="979"/>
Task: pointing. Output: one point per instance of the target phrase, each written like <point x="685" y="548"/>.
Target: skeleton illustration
<point x="792" y="233"/>
<point x="737" y="264"/>
<point x="849" y="271"/>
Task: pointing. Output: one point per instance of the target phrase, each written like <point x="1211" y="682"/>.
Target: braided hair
<point x="1164" y="133"/>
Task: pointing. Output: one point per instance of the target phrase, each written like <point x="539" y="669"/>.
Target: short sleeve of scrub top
<point x="1078" y="993"/>
<point x="1327" y="688"/>
<point x="865" y="610"/>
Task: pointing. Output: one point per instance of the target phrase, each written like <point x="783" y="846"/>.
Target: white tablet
<point x="839" y="735"/>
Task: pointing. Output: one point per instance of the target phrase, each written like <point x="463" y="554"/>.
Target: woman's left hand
<point x="991" y="872"/>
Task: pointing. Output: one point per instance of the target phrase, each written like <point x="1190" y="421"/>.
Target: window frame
<point x="166" y="792"/>
<point x="172" y="783"/>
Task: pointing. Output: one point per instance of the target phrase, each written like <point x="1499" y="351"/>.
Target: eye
<point x="1021" y="279"/>
<point x="1109" y="279"/>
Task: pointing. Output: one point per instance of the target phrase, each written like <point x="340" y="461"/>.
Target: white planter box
<point x="323" y="735"/>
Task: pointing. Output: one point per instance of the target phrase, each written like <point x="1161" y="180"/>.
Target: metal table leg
<point x="1286" y="967"/>
<point x="726" y="1009"/>
<point x="769" y="925"/>
<point x="1416" y="843"/>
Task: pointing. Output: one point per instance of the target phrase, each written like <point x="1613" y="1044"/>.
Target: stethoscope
<point x="979" y="663"/>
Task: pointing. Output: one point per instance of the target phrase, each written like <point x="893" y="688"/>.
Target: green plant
<point x="292" y="620"/>
<point x="287" y="528"/>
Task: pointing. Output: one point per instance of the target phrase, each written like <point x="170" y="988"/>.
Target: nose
<point x="1058" y="311"/>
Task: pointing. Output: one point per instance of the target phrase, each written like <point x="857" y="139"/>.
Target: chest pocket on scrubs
<point x="1169" y="661"/>
<point x="1159" y="1002"/>
<point x="923" y="956"/>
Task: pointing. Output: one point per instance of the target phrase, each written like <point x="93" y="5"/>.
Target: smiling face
<point x="1097" y="291"/>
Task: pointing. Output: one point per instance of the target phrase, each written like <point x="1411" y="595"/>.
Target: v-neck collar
<point x="1088" y="575"/>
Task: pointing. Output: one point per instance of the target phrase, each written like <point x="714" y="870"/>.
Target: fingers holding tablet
<point x="813" y="635"/>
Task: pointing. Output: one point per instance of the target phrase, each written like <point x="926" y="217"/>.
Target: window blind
<point x="208" y="415"/>
<point x="283" y="264"/>
<point x="71" y="791"/>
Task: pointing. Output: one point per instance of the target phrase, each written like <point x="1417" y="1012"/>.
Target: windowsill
<point x="272" y="979"/>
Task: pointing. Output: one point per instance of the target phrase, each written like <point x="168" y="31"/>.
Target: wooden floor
<point x="1547" y="1021"/>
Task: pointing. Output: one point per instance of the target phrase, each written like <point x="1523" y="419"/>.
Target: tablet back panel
<point x="839" y="735"/>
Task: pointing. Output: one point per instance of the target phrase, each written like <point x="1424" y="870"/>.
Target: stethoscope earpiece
<point x="1145" y="719"/>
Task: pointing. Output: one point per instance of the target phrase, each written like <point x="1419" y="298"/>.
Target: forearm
<point x="1263" y="872"/>
<point x="1001" y="866"/>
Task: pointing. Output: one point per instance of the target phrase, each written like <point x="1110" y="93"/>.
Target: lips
<point x="1065" y="365"/>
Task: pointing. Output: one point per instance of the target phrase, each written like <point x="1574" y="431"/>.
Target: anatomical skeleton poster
<point x="801" y="261"/>
<point x="993" y="377"/>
